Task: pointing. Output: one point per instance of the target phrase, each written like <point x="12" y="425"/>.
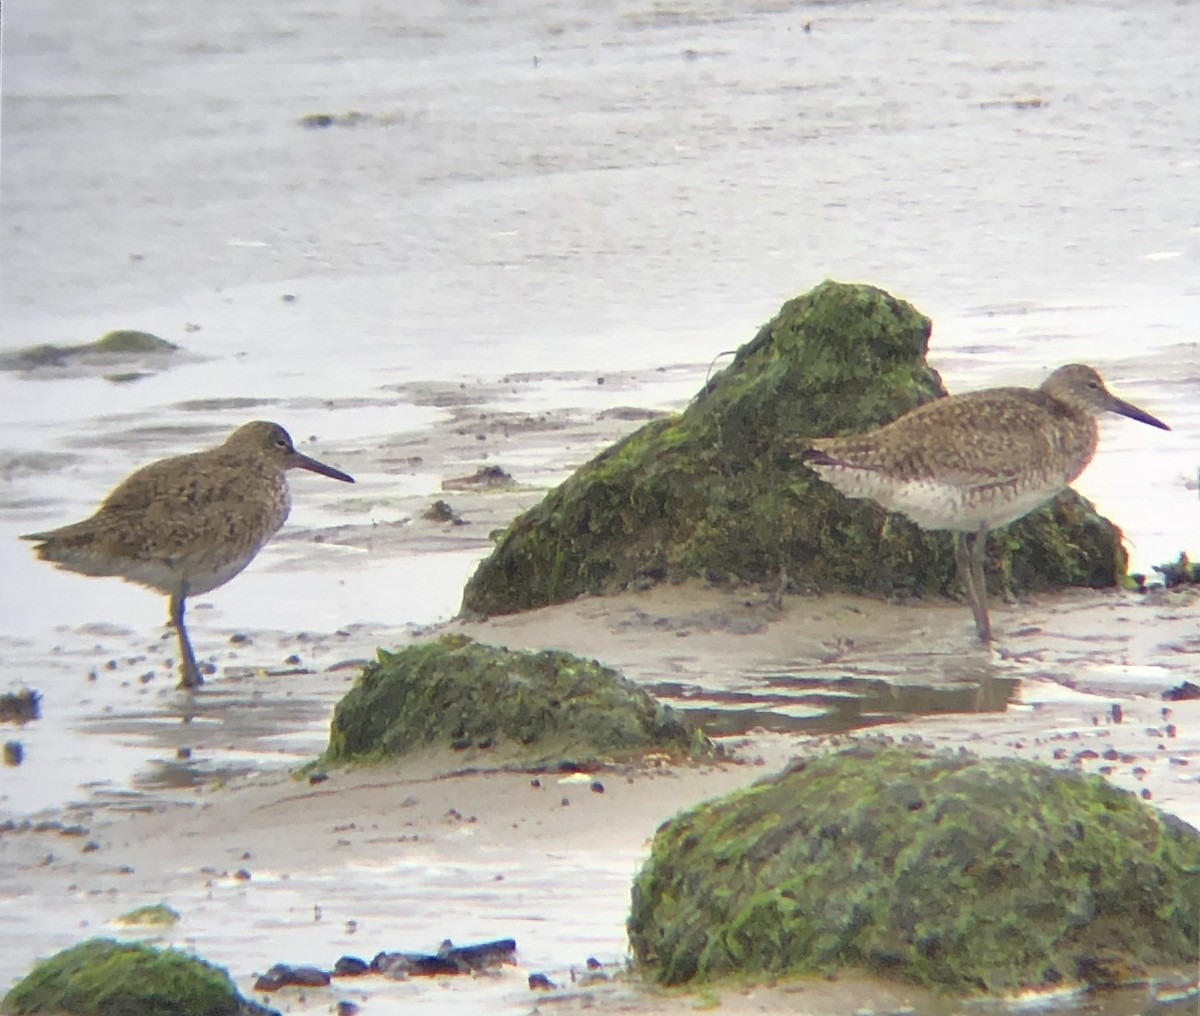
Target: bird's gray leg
<point x="189" y="673"/>
<point x="971" y="577"/>
<point x="978" y="551"/>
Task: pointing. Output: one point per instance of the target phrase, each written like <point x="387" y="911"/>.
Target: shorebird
<point x="970" y="463"/>
<point x="188" y="524"/>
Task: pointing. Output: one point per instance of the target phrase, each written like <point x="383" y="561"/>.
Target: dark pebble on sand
<point x="281" y="976"/>
<point x="540" y="982"/>
<point x="1186" y="690"/>
<point x="351" y="966"/>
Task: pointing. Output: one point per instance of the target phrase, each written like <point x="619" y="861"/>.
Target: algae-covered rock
<point x="102" y="977"/>
<point x="716" y="491"/>
<point x="154" y="915"/>
<point x="533" y="707"/>
<point x="946" y="870"/>
<point x="121" y="345"/>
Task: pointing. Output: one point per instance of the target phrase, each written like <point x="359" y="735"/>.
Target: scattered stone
<point x="1181" y="692"/>
<point x="351" y="966"/>
<point x="440" y="511"/>
<point x="20" y="706"/>
<point x="281" y="975"/>
<point x="484" y="478"/>
<point x="14" y="753"/>
<point x="449" y="959"/>
<point x="540" y="982"/>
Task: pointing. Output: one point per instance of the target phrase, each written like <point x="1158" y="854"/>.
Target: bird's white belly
<point x="188" y="576"/>
<point x="935" y="504"/>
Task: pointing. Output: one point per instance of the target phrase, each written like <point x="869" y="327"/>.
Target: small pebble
<point x="540" y="982"/>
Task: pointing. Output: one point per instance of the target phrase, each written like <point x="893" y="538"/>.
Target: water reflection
<point x="815" y="704"/>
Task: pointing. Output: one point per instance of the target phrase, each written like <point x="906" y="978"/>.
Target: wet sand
<point x="604" y="202"/>
<point x="266" y="867"/>
<point x="149" y="795"/>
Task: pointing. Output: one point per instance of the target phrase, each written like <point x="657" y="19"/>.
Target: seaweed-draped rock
<point x="527" y="707"/>
<point x="716" y="493"/>
<point x="103" y="977"/>
<point x="946" y="870"/>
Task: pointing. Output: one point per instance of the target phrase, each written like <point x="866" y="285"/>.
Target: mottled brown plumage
<point x="972" y="462"/>
<point x="188" y="524"/>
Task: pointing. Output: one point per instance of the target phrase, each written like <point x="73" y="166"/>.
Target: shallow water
<point x="571" y="190"/>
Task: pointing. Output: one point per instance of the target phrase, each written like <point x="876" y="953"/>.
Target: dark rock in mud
<point x="282" y="975"/>
<point x="533" y="708"/>
<point x="102" y="977"/>
<point x="20" y="706"/>
<point x="1182" y="691"/>
<point x="943" y="869"/>
<point x="716" y="491"/>
<point x="449" y="959"/>
<point x="122" y="346"/>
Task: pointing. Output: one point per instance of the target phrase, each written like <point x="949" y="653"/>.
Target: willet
<point x="970" y="463"/>
<point x="188" y="524"/>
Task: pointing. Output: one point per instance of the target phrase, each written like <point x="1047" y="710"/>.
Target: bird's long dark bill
<point x="313" y="466"/>
<point x="1125" y="409"/>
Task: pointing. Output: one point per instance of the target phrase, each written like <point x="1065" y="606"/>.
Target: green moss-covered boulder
<point x="519" y="706"/>
<point x="102" y="977"/>
<point x="716" y="491"/>
<point x="945" y="870"/>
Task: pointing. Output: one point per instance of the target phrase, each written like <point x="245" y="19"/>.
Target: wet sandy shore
<point x="266" y="867"/>
<point x="135" y="793"/>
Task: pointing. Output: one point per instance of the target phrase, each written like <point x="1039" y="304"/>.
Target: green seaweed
<point x="103" y="977"/>
<point x="152" y="915"/>
<point x="1180" y="572"/>
<point x="715" y="492"/>
<point x="535" y="707"/>
<point x="946" y="870"/>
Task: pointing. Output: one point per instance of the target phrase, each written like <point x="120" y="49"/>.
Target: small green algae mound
<point x="102" y="977"/>
<point x="716" y="492"/>
<point x="521" y="706"/>
<point x="154" y="915"/>
<point x="949" y="871"/>
<point x="123" y="343"/>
